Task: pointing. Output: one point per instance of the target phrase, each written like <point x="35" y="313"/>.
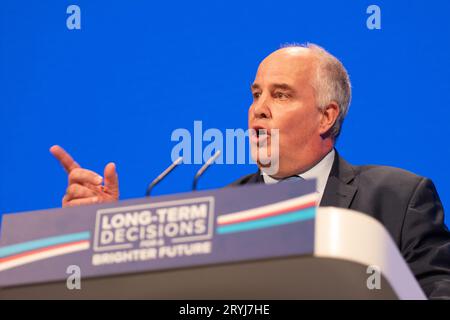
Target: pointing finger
<point x="64" y="158"/>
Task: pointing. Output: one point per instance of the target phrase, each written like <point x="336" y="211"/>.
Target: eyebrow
<point x="282" y="86"/>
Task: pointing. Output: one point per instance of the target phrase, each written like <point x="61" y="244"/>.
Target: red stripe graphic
<point x="273" y="213"/>
<point x="29" y="253"/>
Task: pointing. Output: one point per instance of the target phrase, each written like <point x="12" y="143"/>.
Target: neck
<point x="305" y="161"/>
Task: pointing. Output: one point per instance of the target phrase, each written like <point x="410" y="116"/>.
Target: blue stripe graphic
<point x="305" y="214"/>
<point x="41" y="243"/>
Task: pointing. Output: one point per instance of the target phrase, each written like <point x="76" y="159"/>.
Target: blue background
<point x="116" y="89"/>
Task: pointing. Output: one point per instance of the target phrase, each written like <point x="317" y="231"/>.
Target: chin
<point x="261" y="156"/>
<point x="270" y="167"/>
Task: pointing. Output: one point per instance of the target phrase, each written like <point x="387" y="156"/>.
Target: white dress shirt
<point x="320" y="172"/>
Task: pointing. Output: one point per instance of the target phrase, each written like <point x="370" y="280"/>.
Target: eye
<point x="281" y="95"/>
<point x="256" y="95"/>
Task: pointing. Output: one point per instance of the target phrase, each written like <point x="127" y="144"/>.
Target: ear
<point x="329" y="116"/>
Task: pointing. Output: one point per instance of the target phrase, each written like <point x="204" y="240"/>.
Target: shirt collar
<point x="320" y="172"/>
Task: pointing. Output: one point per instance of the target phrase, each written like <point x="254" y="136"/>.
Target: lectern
<point x="251" y="242"/>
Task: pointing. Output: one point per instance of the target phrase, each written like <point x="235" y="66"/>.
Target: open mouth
<point x="259" y="134"/>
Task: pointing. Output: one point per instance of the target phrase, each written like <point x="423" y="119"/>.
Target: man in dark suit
<point x="301" y="96"/>
<point x="304" y="92"/>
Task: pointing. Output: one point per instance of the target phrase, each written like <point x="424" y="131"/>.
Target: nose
<point x="261" y="109"/>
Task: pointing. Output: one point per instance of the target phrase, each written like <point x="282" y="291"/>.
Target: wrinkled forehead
<point x="284" y="66"/>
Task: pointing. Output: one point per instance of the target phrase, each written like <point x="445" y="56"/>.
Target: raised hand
<point x="85" y="186"/>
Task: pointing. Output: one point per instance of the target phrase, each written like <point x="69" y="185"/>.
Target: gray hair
<point x="332" y="83"/>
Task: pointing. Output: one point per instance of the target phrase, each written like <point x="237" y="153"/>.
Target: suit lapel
<point x="341" y="186"/>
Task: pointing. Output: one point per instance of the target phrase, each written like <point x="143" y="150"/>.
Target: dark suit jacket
<point x="406" y="204"/>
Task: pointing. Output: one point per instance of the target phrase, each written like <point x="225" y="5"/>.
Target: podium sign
<point x="160" y="233"/>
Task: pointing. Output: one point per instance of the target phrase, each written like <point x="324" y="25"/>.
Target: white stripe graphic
<point x="255" y="212"/>
<point x="43" y="255"/>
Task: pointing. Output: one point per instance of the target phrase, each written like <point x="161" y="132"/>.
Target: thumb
<point x="111" y="179"/>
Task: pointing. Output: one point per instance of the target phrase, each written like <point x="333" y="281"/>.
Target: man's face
<point x="284" y="99"/>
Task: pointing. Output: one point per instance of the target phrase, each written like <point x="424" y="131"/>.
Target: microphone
<point x="203" y="169"/>
<point x="162" y="176"/>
